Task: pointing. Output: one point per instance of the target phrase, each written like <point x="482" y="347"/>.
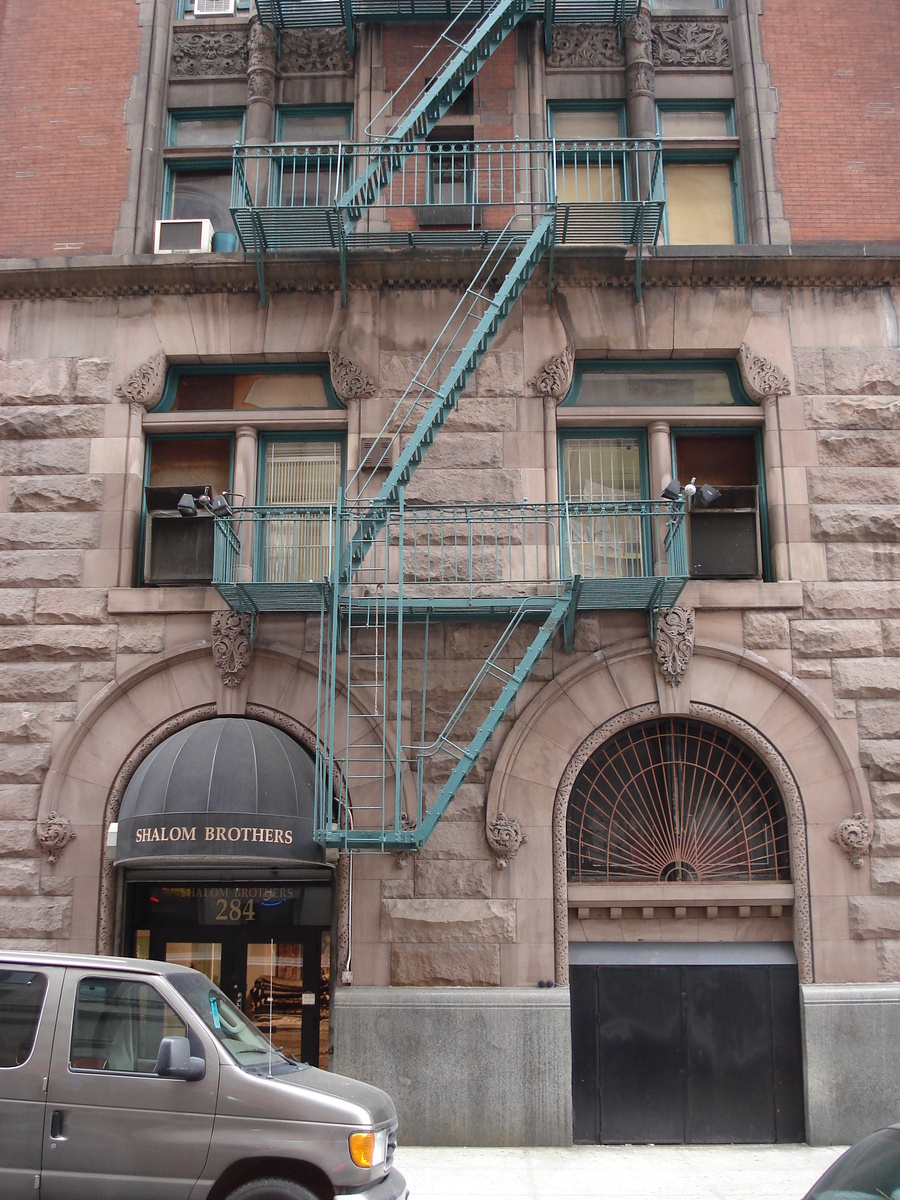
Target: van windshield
<point x="249" y="1048"/>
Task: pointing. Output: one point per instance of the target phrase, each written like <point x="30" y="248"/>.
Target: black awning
<point x="228" y="789"/>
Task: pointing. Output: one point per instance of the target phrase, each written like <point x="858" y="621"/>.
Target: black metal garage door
<point x="699" y="1052"/>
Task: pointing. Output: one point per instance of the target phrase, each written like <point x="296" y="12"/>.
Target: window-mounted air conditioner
<point x="183" y="237"/>
<point x="213" y="8"/>
<point x="725" y="540"/>
<point x="177" y="549"/>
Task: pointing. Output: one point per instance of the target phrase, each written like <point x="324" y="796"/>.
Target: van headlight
<point x="369" y="1148"/>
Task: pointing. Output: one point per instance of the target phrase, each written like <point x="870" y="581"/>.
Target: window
<point x="224" y="390"/>
<point x="21" y="1000"/>
<point x="583" y="173"/>
<point x="198" y="177"/>
<point x="597" y="468"/>
<point x="118" y="1026"/>
<point x="303" y="474"/>
<point x="686" y="6"/>
<point x="202" y="129"/>
<point x="451" y="174"/>
<point x="700" y="166"/>
<point x="201" y="9"/>
<point x="309" y="177"/>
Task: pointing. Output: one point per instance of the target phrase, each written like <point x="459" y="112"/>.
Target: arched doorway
<point x="220" y="872"/>
<point x="686" y="1039"/>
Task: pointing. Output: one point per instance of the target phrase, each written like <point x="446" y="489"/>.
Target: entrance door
<point x="277" y="972"/>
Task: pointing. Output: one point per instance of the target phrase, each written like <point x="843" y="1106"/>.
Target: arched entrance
<point x="220" y="872"/>
<point x="681" y="1040"/>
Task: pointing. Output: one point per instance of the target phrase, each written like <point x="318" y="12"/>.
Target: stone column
<point x="660" y="447"/>
<point x="779" y="546"/>
<point x="260" y="125"/>
<point x="640" y="91"/>
<point x="245" y="457"/>
<point x="551" y="454"/>
<point x="353" y="438"/>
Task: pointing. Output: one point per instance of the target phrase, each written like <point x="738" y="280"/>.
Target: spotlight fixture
<point x="672" y="490"/>
<point x="187" y="506"/>
<point x="690" y="491"/>
<point x="707" y="495"/>
<point x="220" y="506"/>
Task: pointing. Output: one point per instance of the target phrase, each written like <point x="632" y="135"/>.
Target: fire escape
<point x="384" y="573"/>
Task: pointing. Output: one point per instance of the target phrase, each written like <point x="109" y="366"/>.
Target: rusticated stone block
<point x="24" y="762"/>
<point x="874" y="916"/>
<point x="39" y="681"/>
<point x="766" y="631"/>
<point x="809" y="373"/>
<point x="460" y="840"/>
<point x="19" y="801"/>
<point x="20" y="878"/>
<point x="142" y="635"/>
<point x="47" y="531"/>
<point x="854" y="412"/>
<point x="839" y="639"/>
<point x="465" y="487"/>
<point x="401" y="888"/>
<point x="57" y="885"/>
<point x="855" y="522"/>
<point x="866" y="679"/>
<point x="476" y="414"/>
<point x="70" y="606"/>
<point x="62" y="456"/>
<point x="855" y="372"/>
<point x="813" y="668"/>
<point x="466" y="451"/>
<point x="863" y="562"/>
<point x="886" y="875"/>
<point x="25" y="723"/>
<point x="850" y="600"/>
<point x="17" y="838"/>
<point x="56" y="493"/>
<point x="501" y="374"/>
<point x="889" y="960"/>
<point x="55" y="642"/>
<point x="16" y="606"/>
<point x="35" y="381"/>
<point x="835" y="486"/>
<point x="466" y="805"/>
<point x="890" y="637"/>
<point x="35" y="917"/>
<point x="886" y="841"/>
<point x="456" y="921"/>
<point x="56" y="421"/>
<point x="92" y="380"/>
<point x="442" y="880"/>
<point x="878" y="718"/>
<point x="859" y="449"/>
<point x="445" y="966"/>
<point x="885" y="799"/>
<point x="41" y="568"/>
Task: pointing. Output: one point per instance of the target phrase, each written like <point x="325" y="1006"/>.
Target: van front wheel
<point x="272" y="1189"/>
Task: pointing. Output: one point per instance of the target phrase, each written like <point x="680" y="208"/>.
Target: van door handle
<point x="56" y="1124"/>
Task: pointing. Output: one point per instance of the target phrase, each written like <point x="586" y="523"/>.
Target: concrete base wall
<point x="465" y="1066"/>
<point x="851" y="1044"/>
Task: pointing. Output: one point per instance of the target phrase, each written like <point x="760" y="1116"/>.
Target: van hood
<point x="337" y="1099"/>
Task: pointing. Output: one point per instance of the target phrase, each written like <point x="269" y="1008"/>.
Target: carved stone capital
<point x="144" y="386"/>
<point x="674" y="644"/>
<point x="54" y="834"/>
<point x="760" y="377"/>
<point x="691" y="44"/>
<point x="209" y="53"/>
<point x="314" y="52"/>
<point x="554" y="378"/>
<point x="505" y="838"/>
<point x="639" y="28"/>
<point x="585" y="46"/>
<point x="231" y="649"/>
<point x="349" y="381"/>
<point x="854" y="836"/>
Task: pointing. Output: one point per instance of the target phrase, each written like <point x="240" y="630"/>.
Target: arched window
<point x="676" y="800"/>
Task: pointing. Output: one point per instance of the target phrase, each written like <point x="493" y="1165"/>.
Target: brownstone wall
<point x="835" y="67"/>
<point x="65" y="75"/>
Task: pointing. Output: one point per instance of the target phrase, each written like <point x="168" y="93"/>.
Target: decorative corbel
<point x="505" y="838"/>
<point x="554" y="378"/>
<point x="54" y="834"/>
<point x="144" y="386"/>
<point x="348" y="379"/>
<point x="761" y="378"/>
<point x="232" y="649"/>
<point x="673" y="643"/>
<point x="854" y="836"/>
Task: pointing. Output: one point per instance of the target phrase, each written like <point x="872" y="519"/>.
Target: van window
<point x="119" y="1024"/>
<point x="21" y="1000"/>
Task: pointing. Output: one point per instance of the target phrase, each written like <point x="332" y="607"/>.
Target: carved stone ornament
<point x="209" y="53"/>
<point x="674" y="644"/>
<point x="315" y="52"/>
<point x="231" y="647"/>
<point x="54" y="835"/>
<point x="349" y="381"/>
<point x="761" y="378"/>
<point x="585" y="46"/>
<point x="691" y="44"/>
<point x="145" y="384"/>
<point x="555" y="377"/>
<point x="854" y="836"/>
<point x="505" y="837"/>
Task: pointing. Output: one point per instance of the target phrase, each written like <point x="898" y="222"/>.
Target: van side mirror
<point x="175" y="1061"/>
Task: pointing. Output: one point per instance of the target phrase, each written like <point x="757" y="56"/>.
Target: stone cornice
<point x="140" y="275"/>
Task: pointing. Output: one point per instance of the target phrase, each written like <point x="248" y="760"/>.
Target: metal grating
<point x="676" y="800"/>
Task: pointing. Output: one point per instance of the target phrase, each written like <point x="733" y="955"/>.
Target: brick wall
<point x="837" y="70"/>
<point x="65" y="75"/>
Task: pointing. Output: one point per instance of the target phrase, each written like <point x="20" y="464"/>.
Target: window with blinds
<point x="301" y="480"/>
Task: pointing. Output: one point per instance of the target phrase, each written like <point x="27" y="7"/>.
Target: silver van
<point x="123" y="1079"/>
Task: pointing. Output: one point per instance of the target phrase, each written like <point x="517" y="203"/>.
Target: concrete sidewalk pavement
<point x="614" y="1172"/>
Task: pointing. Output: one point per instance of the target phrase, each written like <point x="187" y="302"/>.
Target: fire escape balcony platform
<point x="300" y="14"/>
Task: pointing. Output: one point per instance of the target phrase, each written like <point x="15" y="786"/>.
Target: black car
<point x="870" y="1170"/>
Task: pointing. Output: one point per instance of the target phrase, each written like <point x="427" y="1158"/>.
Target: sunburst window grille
<point x="676" y="800"/>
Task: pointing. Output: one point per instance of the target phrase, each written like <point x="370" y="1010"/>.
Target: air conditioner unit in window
<point x="725" y="540"/>
<point x="177" y="550"/>
<point x="183" y="237"/>
<point x="213" y="8"/>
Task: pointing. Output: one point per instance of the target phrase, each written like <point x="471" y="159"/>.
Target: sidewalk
<point x="614" y="1172"/>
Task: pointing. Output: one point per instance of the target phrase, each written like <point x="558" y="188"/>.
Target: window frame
<point x="174" y="115"/>
<point x="667" y="366"/>
<point x="700" y="150"/>
<point x="166" y="403"/>
<point x="184" y="11"/>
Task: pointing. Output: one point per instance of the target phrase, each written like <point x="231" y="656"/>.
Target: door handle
<point x="56" y="1125"/>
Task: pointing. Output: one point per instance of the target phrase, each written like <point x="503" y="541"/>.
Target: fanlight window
<point x="676" y="800"/>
